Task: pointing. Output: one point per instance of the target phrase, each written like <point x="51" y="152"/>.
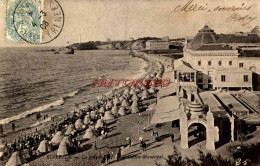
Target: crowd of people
<point x="91" y="121"/>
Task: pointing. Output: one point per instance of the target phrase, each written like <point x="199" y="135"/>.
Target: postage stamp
<point x="33" y="21"/>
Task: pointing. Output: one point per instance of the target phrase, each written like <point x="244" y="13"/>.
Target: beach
<point x="148" y="66"/>
<point x="56" y="100"/>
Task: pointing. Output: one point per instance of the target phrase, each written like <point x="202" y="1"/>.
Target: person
<point x="172" y="137"/>
<point x="143" y="146"/>
<point x="95" y="145"/>
<point x="103" y="161"/>
<point x="13" y="126"/>
<point x="1" y="130"/>
<point x="108" y="158"/>
<point x="156" y="136"/>
<point x="130" y="142"/>
<point x="118" y="155"/>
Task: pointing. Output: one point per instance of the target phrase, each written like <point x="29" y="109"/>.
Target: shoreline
<point x="47" y="123"/>
<point x="126" y="125"/>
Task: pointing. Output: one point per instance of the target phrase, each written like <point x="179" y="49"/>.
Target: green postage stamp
<point x="33" y="21"/>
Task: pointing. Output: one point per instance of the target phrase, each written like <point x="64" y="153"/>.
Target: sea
<point x="34" y="79"/>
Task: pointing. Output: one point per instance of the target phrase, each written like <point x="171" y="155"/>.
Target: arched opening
<point x="196" y="133"/>
<point x="192" y="97"/>
<point x="252" y="68"/>
<point x="224" y="131"/>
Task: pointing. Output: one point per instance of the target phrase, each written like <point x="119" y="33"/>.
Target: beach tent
<point x="63" y="149"/>
<point x="79" y="124"/>
<point x="134" y="109"/>
<point x="122" y="111"/>
<point x="121" y="98"/>
<point x="100" y="123"/>
<point x="135" y="104"/>
<point x="109" y="104"/>
<point x="67" y="140"/>
<point x="145" y="94"/>
<point x="89" y="133"/>
<point x="108" y="115"/>
<point x="87" y="119"/>
<point x="151" y="90"/>
<point x="152" y="75"/>
<point x="124" y="103"/>
<point x="69" y="129"/>
<point x="132" y="91"/>
<point x="135" y="97"/>
<point x="16" y="159"/>
<point x="114" y="110"/>
<point x="102" y="110"/>
<point x="147" y="77"/>
<point x="143" y="88"/>
<point x="126" y="95"/>
<point x="44" y="147"/>
<point x="126" y="91"/>
<point x="137" y="89"/>
<point x="116" y="101"/>
<point x="93" y="114"/>
<point x="57" y="138"/>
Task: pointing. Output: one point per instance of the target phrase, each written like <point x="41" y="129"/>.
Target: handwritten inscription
<point x="243" y="19"/>
<point x="190" y="6"/>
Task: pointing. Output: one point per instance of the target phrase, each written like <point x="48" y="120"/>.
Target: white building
<point x="157" y="45"/>
<point x="217" y="61"/>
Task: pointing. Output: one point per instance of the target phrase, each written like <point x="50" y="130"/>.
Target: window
<point x="175" y="74"/>
<point x="209" y="76"/>
<point x="223" y="78"/>
<point x="187" y="77"/>
<point x="192" y="77"/>
<point x="181" y="77"/>
<point x="230" y="63"/>
<point x="219" y="63"/>
<point x="199" y="63"/>
<point x="200" y="77"/>
<point x="241" y="64"/>
<point x="209" y="63"/>
<point x="245" y="78"/>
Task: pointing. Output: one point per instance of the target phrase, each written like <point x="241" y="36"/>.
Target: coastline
<point x="47" y="123"/>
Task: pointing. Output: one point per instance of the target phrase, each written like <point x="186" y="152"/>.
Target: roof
<point x="205" y="36"/>
<point x="256" y="29"/>
<point x="167" y="110"/>
<point x="184" y="67"/>
<point x="215" y="107"/>
<point x="250" y="53"/>
<point x="243" y="38"/>
<point x="214" y="47"/>
<point x="157" y="41"/>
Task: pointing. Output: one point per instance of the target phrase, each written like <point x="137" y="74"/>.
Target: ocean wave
<point x="34" y="110"/>
<point x="41" y="108"/>
<point x="72" y="94"/>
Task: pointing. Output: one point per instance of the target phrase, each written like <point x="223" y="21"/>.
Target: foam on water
<point x="34" y="110"/>
<point x="40" y="108"/>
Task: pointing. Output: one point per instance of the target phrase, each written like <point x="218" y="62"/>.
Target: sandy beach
<point x="123" y="124"/>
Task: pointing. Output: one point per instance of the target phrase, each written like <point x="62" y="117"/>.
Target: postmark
<point x="36" y="21"/>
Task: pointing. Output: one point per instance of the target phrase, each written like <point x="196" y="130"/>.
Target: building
<point x="157" y="45"/>
<point x="220" y="60"/>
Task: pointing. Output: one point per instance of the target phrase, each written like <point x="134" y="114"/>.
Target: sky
<point x="121" y="19"/>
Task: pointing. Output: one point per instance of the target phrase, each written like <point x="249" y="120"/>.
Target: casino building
<point x="220" y="61"/>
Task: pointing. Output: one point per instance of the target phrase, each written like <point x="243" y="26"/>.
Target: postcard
<point x="129" y="82"/>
